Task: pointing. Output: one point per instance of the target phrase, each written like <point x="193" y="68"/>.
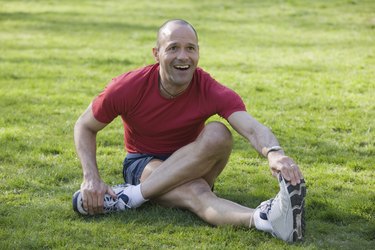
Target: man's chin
<point x="183" y="80"/>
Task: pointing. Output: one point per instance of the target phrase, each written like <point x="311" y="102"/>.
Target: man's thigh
<point x="149" y="168"/>
<point x="187" y="196"/>
<point x="209" y="177"/>
<point x="134" y="166"/>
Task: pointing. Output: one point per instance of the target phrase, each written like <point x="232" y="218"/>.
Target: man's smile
<point x="182" y="67"/>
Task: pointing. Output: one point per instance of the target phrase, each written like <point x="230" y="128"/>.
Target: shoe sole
<point x="297" y="195"/>
<point x="75" y="200"/>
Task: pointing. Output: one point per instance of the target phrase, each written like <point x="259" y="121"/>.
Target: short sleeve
<point x="107" y="105"/>
<point x="223" y="100"/>
<point x="228" y="101"/>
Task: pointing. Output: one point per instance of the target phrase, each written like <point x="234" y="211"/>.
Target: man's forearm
<point x="85" y="142"/>
<point x="262" y="139"/>
<point x="259" y="136"/>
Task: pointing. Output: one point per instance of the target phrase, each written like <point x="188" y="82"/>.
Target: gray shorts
<point x="134" y="164"/>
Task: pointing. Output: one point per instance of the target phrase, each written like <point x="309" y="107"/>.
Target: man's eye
<point x="173" y="48"/>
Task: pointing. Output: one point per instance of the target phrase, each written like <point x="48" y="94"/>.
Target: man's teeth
<point x="182" y="66"/>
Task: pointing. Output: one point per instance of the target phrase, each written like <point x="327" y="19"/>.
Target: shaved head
<point x="162" y="30"/>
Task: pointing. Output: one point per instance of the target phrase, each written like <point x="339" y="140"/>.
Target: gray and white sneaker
<point x="286" y="211"/>
<point x="110" y="204"/>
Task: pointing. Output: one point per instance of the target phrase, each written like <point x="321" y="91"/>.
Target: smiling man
<point x="174" y="157"/>
<point x="177" y="52"/>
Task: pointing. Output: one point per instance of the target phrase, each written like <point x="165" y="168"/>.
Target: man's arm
<point x="92" y="187"/>
<point x="262" y="139"/>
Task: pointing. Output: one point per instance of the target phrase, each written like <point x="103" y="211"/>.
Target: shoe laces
<point x="112" y="205"/>
<point x="265" y="206"/>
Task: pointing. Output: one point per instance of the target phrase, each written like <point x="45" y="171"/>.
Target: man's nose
<point x="183" y="54"/>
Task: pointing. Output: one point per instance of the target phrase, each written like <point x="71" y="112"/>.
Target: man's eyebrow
<point x="193" y="44"/>
<point x="172" y="44"/>
<point x="176" y="43"/>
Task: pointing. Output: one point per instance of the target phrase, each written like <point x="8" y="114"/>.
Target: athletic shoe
<point x="110" y="204"/>
<point x="286" y="211"/>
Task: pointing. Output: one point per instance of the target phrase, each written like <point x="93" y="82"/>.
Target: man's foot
<point x="286" y="211"/>
<point x="110" y="205"/>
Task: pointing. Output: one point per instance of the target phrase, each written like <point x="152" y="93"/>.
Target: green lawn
<point x="306" y="69"/>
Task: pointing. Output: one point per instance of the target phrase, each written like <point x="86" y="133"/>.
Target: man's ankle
<point x="135" y="195"/>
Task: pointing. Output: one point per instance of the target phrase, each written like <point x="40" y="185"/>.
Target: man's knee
<point x="216" y="136"/>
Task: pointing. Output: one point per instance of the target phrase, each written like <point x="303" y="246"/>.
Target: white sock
<point x="261" y="224"/>
<point x="134" y="193"/>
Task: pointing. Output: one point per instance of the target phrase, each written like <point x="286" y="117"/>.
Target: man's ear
<point x="155" y="52"/>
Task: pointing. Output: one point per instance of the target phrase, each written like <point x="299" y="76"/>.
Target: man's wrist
<point x="267" y="150"/>
<point x="92" y="176"/>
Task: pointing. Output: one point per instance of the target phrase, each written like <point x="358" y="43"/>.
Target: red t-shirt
<point x="157" y="125"/>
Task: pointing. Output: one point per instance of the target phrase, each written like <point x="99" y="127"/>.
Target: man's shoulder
<point x="202" y="73"/>
<point x="204" y="79"/>
<point x="207" y="81"/>
<point x="132" y="82"/>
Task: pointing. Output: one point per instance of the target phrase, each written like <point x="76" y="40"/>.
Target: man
<point x="173" y="157"/>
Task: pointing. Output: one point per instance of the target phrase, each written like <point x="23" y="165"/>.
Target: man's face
<point x="178" y="54"/>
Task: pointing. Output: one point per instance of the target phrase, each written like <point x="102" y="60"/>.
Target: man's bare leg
<point x="197" y="196"/>
<point x="188" y="176"/>
<point x="204" y="158"/>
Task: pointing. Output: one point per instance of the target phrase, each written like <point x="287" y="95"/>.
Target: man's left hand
<point x="280" y="163"/>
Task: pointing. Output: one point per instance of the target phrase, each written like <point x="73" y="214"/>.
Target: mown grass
<point x="306" y="69"/>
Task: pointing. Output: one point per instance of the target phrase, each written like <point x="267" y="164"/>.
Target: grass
<point x="306" y="69"/>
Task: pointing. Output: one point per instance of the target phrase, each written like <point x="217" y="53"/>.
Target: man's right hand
<point x="93" y="192"/>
